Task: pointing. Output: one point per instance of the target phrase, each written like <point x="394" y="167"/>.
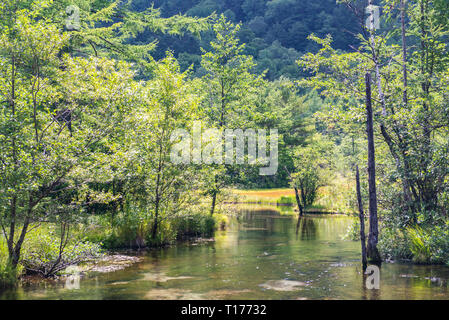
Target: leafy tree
<point x="161" y="186"/>
<point x="408" y="101"/>
<point x="57" y="112"/>
<point x="227" y="84"/>
<point x="311" y="170"/>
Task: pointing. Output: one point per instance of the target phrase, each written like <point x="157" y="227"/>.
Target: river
<point x="262" y="255"/>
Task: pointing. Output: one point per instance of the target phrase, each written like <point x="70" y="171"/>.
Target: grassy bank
<point x="336" y="197"/>
<point x="132" y="229"/>
<point x="44" y="254"/>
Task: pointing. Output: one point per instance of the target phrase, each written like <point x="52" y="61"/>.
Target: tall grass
<point x="8" y="276"/>
<point x="133" y="229"/>
<point x="336" y="197"/>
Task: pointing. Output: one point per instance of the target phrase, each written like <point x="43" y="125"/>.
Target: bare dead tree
<point x="372" y="252"/>
<point x="362" y="218"/>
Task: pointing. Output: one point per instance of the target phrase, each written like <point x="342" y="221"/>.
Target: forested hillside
<point x="275" y="32"/>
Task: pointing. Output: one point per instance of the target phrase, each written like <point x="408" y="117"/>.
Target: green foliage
<point x="419" y="244"/>
<point x="228" y="80"/>
<point x="8" y="275"/>
<point x="353" y="232"/>
<point x="275" y="31"/>
<point x="425" y="244"/>
<point x="430" y="245"/>
<point x="408" y="101"/>
<point x="312" y="164"/>
<point x="133" y="229"/>
<point x="195" y="225"/>
<point x="78" y="132"/>
<point x="286" y="200"/>
<point x="89" y="117"/>
<point x="394" y="243"/>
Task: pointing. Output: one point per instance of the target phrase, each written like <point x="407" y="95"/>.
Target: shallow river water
<point x="262" y="255"/>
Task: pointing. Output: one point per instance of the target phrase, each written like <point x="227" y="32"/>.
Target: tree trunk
<point x="156" y="217"/>
<point x="372" y="252"/>
<point x="298" y="202"/>
<point x="300" y="208"/>
<point x="214" y="200"/>
<point x="214" y="196"/>
<point x="406" y="181"/>
<point x="157" y="199"/>
<point x="362" y="219"/>
<point x="404" y="54"/>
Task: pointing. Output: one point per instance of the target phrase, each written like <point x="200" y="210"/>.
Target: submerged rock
<point x="111" y="263"/>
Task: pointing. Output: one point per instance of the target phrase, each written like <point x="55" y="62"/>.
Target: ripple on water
<point x="283" y="285"/>
<point x="162" y="277"/>
<point x="173" y="294"/>
<point x="118" y="283"/>
<point x="224" y="293"/>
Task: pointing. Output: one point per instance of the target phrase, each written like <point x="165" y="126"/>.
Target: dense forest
<point x="96" y="94"/>
<point x="275" y="32"/>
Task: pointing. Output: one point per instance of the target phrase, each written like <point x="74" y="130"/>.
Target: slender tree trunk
<point x="157" y="197"/>
<point x="404" y="54"/>
<point x="221" y="125"/>
<point x="13" y="259"/>
<point x="214" y="196"/>
<point x="372" y="252"/>
<point x="298" y="202"/>
<point x="376" y="62"/>
<point x="156" y="218"/>
<point x="406" y="180"/>
<point x="428" y="194"/>
<point x="300" y="208"/>
<point x="362" y="219"/>
<point x="214" y="201"/>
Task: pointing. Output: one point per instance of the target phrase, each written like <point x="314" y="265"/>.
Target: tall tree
<point x="162" y="185"/>
<point x="227" y="84"/>
<point x="373" y="237"/>
<point x="53" y="122"/>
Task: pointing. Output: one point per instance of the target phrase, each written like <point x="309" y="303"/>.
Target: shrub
<point x="423" y="244"/>
<point x="166" y="234"/>
<point x="41" y="253"/>
<point x="394" y="243"/>
<point x="194" y="225"/>
<point x="132" y="229"/>
<point x="353" y="231"/>
<point x="221" y="221"/>
<point x="8" y="276"/>
<point x="286" y="200"/>
<point x="419" y="244"/>
<point x="430" y="245"/>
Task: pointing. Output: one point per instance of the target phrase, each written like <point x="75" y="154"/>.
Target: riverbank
<point x="49" y="250"/>
<point x="133" y="229"/>
<point x="262" y="255"/>
<point x="334" y="198"/>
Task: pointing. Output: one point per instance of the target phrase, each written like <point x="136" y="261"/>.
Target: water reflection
<point x="306" y="228"/>
<point x="265" y="254"/>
